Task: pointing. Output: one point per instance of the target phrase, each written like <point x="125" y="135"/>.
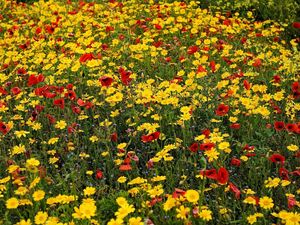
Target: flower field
<point x="139" y="112"/>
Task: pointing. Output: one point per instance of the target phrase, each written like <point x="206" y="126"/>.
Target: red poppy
<point x="99" y="174"/>
<point x="125" y="167"/>
<point x="4" y="128"/>
<point x="16" y="90"/>
<point x="178" y="192"/>
<point x="211" y="174"/>
<point x="150" y="137"/>
<point x="235" y="190"/>
<point x="59" y="102"/>
<point x="235" y="126"/>
<point x="206" y="132"/>
<point x="296" y="25"/>
<point x="247" y="85"/>
<point x="206" y="146"/>
<point x="291" y="202"/>
<point x="125" y="76"/>
<point x="222" y="110"/>
<point x="76" y="109"/>
<point x="49" y="29"/>
<point x="291" y="127"/>
<point x="70" y="95"/>
<point x="257" y="63"/>
<point x="223" y="176"/>
<point x="33" y="80"/>
<point x="279" y="125"/>
<point x="235" y="162"/>
<point x="194" y="147"/>
<point x="38" y="30"/>
<point x="86" y="57"/>
<point x="277" y="79"/>
<point x="105" y="81"/>
<point x="212" y="65"/>
<point x="114" y="137"/>
<point x="157" y="26"/>
<point x="284" y="173"/>
<point x="201" y="69"/>
<point x="3" y="91"/>
<point x="109" y="29"/>
<point x="277" y="158"/>
<point x="192" y="49"/>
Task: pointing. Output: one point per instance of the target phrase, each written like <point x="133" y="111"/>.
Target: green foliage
<point x="282" y="11"/>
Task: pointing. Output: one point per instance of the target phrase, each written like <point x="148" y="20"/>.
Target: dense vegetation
<point x="169" y="114"/>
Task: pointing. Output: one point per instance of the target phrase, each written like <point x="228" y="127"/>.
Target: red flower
<point x="235" y="162"/>
<point x="296" y="25"/>
<point x="51" y="118"/>
<point x="222" y="110"/>
<point x="125" y="167"/>
<point x="99" y="174"/>
<point x="105" y="81"/>
<point x="247" y="85"/>
<point x="235" y="190"/>
<point x="59" y="102"/>
<point x="158" y="27"/>
<point x="114" y="137"/>
<point x="277" y="79"/>
<point x="192" y="49"/>
<point x="275" y="158"/>
<point x="284" y="173"/>
<point x="291" y="202"/>
<point x="206" y="146"/>
<point x="201" y="69"/>
<point x="279" y="125"/>
<point x="71" y="95"/>
<point x="33" y="80"/>
<point x="212" y="65"/>
<point x="194" y="147"/>
<point x="206" y="132"/>
<point x="125" y="76"/>
<point x="223" y="176"/>
<point x="235" y="126"/>
<point x="86" y="57"/>
<point x="291" y="127"/>
<point x="76" y="109"/>
<point x="211" y="174"/>
<point x="150" y="137"/>
<point x="257" y="63"/>
<point x="16" y="90"/>
<point x="4" y="128"/>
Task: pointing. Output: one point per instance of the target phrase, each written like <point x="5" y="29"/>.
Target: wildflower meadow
<point x="147" y="113"/>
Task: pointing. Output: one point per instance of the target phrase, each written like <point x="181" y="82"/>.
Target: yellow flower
<point x="135" y="221"/>
<point x="192" y="196"/>
<point x="94" y="138"/>
<point x="205" y="214"/>
<point x="38" y="195"/>
<point x="31" y="164"/>
<point x="18" y="150"/>
<point x="270" y="183"/>
<point x="122" y="179"/>
<point x="89" y="191"/>
<point x="266" y="202"/>
<point x="87" y="210"/>
<point x="40" y="217"/>
<point x="24" y="222"/>
<point x="12" y="203"/>
<point x="170" y="203"/>
<point x="117" y="221"/>
<point x="61" y="124"/>
<point x="182" y="212"/>
<point x="293" y="148"/>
